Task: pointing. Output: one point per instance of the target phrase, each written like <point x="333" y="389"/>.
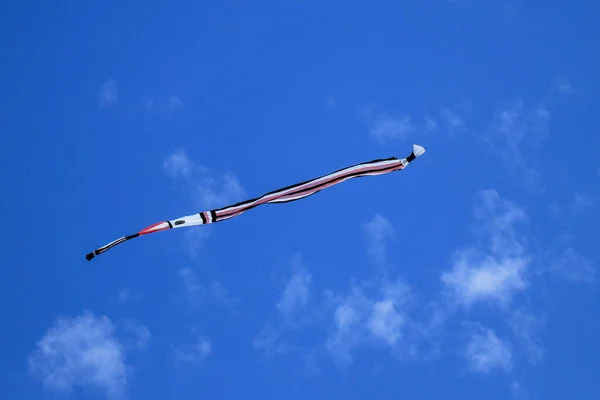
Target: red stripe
<point x="149" y="228"/>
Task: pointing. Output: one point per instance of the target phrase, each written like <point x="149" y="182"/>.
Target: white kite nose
<point x="418" y="150"/>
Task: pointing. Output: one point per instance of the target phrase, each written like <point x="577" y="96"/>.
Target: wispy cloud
<point x="109" y="92"/>
<point x="126" y="295"/>
<point x="573" y="267"/>
<point x="526" y="327"/>
<point x="197" y="293"/>
<point x="295" y="295"/>
<point x="486" y="352"/>
<point x="500" y="265"/>
<point x="379" y="232"/>
<point x="385" y="127"/>
<point x="194" y="238"/>
<point x="373" y="312"/>
<point x="496" y="271"/>
<point x="349" y="315"/>
<point x="582" y="202"/>
<point x="564" y="87"/>
<point x="214" y="192"/>
<point x="205" y="189"/>
<point x="141" y="334"/>
<point x="163" y="106"/>
<point x="174" y="102"/>
<point x="453" y="120"/>
<point x="330" y="102"/>
<point x="361" y="318"/>
<point x="430" y="124"/>
<point x="517" y="390"/>
<point x="179" y="165"/>
<point x="81" y="351"/>
<point x="294" y="309"/>
<point x="516" y="132"/>
<point x="196" y="352"/>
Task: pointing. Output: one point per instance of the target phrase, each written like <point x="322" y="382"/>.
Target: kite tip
<point x="90" y="256"/>
<point x="418" y="150"/>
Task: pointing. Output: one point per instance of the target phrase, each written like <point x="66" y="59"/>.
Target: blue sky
<point x="471" y="274"/>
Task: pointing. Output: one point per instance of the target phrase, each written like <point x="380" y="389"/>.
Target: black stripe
<point x="353" y="175"/>
<point x="411" y="157"/>
<point x="291" y="200"/>
<point x="308" y="181"/>
<point x="106" y="248"/>
<point x="170" y="224"/>
<point x="213" y="215"/>
<point x="203" y="217"/>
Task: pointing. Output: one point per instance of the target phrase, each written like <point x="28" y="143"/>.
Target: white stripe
<point x="315" y="182"/>
<point x="189" y="220"/>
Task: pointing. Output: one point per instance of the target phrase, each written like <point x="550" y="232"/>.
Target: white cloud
<point x="349" y="316"/>
<point x="196" y="292"/>
<point x="190" y="281"/>
<point x="81" y="351"/>
<point x="109" y="92"/>
<point x="379" y="231"/>
<point x="363" y="319"/>
<point x="124" y="295"/>
<point x="475" y="279"/>
<point x="268" y="340"/>
<point x="430" y="124"/>
<point x="564" y="86"/>
<point x="516" y="133"/>
<point x="127" y="295"/>
<point x="454" y="121"/>
<point x="140" y="333"/>
<point x="212" y="192"/>
<point x="203" y="347"/>
<point x="196" y="352"/>
<point x="582" y="202"/>
<point x="486" y="352"/>
<point x="386" y="127"/>
<point x="206" y="190"/>
<point x="386" y="322"/>
<point x="573" y="267"/>
<point x="525" y="327"/>
<point x="372" y="312"/>
<point x="497" y="271"/>
<point x="295" y="311"/>
<point x="163" y="106"/>
<point x="194" y="237"/>
<point x="517" y="390"/>
<point x="330" y="102"/>
<point x="179" y="165"/>
<point x="174" y="102"/>
<point x="295" y="295"/>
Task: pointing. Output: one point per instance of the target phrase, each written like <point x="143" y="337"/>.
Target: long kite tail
<point x="283" y="195"/>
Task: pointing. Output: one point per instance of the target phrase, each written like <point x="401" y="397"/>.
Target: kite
<point x="284" y="195"/>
